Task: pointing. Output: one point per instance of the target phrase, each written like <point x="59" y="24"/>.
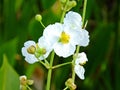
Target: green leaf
<point x="9" y="19"/>
<point x="9" y="79"/>
<point x="9" y="48"/>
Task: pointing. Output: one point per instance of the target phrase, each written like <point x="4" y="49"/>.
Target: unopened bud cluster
<point x="70" y="84"/>
<point x="24" y="82"/>
<point x="67" y="5"/>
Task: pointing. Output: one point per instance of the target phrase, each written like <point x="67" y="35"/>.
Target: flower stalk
<point x="78" y="47"/>
<point x="28" y="87"/>
<point x="44" y="64"/>
<point x="64" y="11"/>
<point x="38" y="17"/>
<point x="73" y="64"/>
<point x="52" y="55"/>
<point x="60" y="65"/>
<point x="50" y="71"/>
<point x="84" y="12"/>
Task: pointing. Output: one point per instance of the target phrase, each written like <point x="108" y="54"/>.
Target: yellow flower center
<point x="64" y="38"/>
<point x="31" y="49"/>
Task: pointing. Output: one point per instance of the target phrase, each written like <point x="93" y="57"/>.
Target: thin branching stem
<point x="78" y="47"/>
<point x="50" y="71"/>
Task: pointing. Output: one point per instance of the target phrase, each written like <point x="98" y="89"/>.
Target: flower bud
<point x="71" y="4"/>
<point x="40" y="51"/>
<point x="31" y="49"/>
<point x="63" y="1"/>
<point x="30" y="82"/>
<point x="23" y="80"/>
<point x="38" y="17"/>
<point x="69" y="83"/>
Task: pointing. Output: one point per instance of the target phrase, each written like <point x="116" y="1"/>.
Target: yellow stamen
<point x="64" y="38"/>
<point x="31" y="49"/>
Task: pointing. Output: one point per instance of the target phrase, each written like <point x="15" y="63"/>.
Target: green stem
<point x="84" y="12"/>
<point x="85" y="24"/>
<point x="52" y="56"/>
<point x="62" y="17"/>
<point x="28" y="87"/>
<point x="64" y="11"/>
<point x="50" y="71"/>
<point x="44" y="64"/>
<point x="78" y="47"/>
<point x="57" y="66"/>
<point x="73" y="64"/>
<point x="65" y="88"/>
<point x="42" y="24"/>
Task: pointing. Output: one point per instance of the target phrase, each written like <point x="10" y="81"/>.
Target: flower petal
<point x="64" y="50"/>
<point x="76" y="35"/>
<point x="73" y="20"/>
<point x="85" y="39"/>
<point x="79" y="37"/>
<point x="81" y="58"/>
<point x="30" y="58"/>
<point x="52" y="32"/>
<point x="29" y="43"/>
<point x="43" y="43"/>
<point x="79" y="70"/>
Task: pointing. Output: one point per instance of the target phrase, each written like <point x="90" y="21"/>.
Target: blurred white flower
<point x="32" y="51"/>
<point x="45" y="46"/>
<point x="80" y="61"/>
<point x="62" y="38"/>
<point x="79" y="70"/>
<point x="84" y="41"/>
<point x="28" y="51"/>
<point x="74" y="21"/>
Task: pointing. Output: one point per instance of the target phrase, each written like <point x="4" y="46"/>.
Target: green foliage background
<point x="17" y="25"/>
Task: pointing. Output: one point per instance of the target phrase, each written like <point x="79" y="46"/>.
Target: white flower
<point x="32" y="51"/>
<point x="81" y="59"/>
<point x="84" y="38"/>
<point x="79" y="69"/>
<point x="45" y="46"/>
<point x="29" y="55"/>
<point x="62" y="38"/>
<point x="73" y="20"/>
